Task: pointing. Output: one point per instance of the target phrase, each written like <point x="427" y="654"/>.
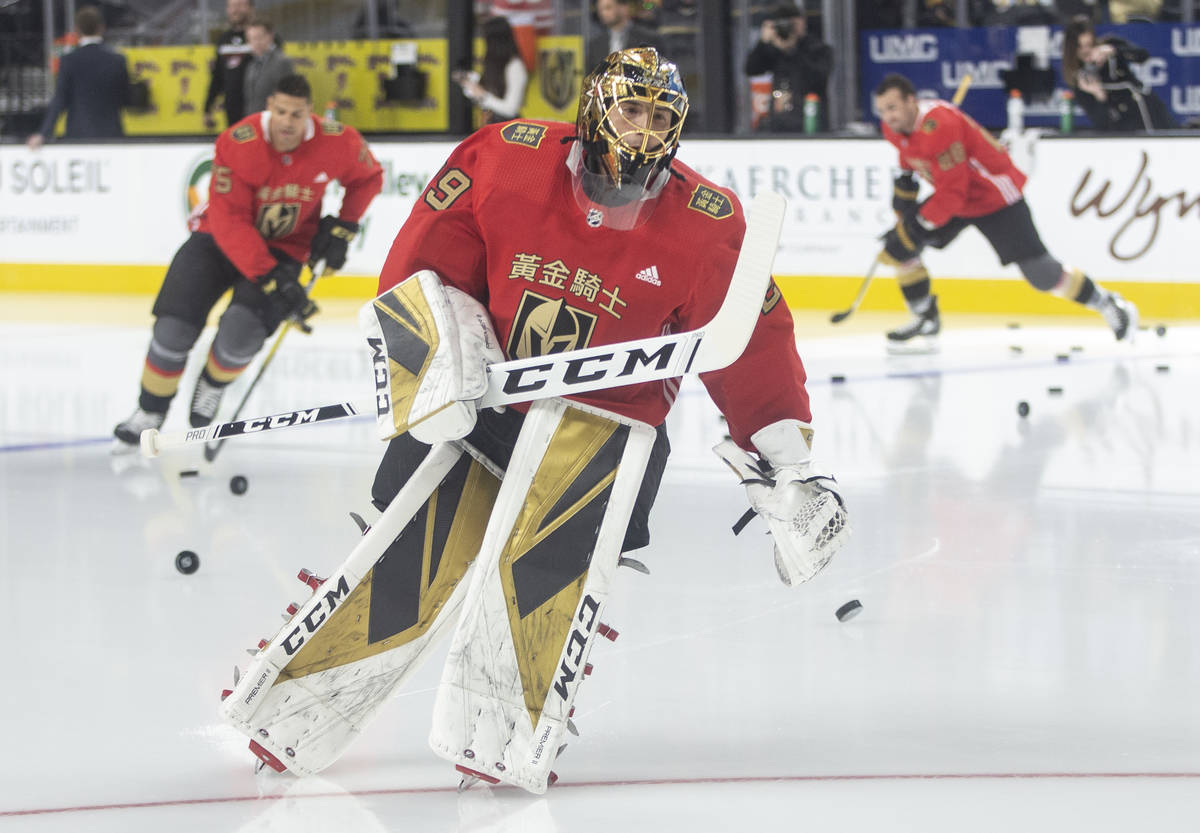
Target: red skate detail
<point x="262" y="643"/>
<point x="553" y="777"/>
<point x="476" y="774"/>
<point x="225" y="692"/>
<point x="292" y="609"/>
<point x="607" y="632"/>
<point x="587" y="670"/>
<point x="311" y="579"/>
<point x="571" y="713"/>
<point x="266" y="757"/>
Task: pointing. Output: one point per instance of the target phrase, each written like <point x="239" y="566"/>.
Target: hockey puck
<point x="1022" y="408"/>
<point x="1054" y="391"/>
<point x="1013" y="325"/>
<point x="849" y="610"/>
<point x="238" y="484"/>
<point x="837" y="380"/>
<point x="189" y="473"/>
<point x="1063" y="357"/>
<point x="1016" y="348"/>
<point x="1160" y="330"/>
<point x="187" y="562"/>
<point x="1162" y="368"/>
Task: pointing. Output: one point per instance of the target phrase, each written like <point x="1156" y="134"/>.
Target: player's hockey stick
<point x="715" y="345"/>
<point x="212" y="449"/>
<point x="838" y="317"/>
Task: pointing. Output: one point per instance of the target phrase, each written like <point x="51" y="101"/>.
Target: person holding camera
<point x="1100" y="72"/>
<point x="799" y="63"/>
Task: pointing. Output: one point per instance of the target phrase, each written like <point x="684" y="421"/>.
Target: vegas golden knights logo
<point x="548" y="325"/>
<point x="278" y="219"/>
<point x="556" y="69"/>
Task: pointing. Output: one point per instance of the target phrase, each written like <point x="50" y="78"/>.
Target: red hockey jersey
<point x="259" y="197"/>
<point x="970" y="171"/>
<point x="500" y="222"/>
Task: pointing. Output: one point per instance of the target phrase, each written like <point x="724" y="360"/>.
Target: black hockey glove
<point x="907" y="239"/>
<point x="331" y="242"/>
<point x="286" y="298"/>
<point x="904" y="195"/>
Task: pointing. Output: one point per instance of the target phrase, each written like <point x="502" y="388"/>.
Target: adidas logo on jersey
<point x="649" y="275"/>
<point x="321" y="177"/>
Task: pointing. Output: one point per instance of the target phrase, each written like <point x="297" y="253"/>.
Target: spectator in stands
<point x="500" y="91"/>
<point x="268" y="65"/>
<point x="92" y="86"/>
<point x="1101" y="74"/>
<point x="799" y="63"/>
<point x="620" y="31"/>
<point x="229" y="66"/>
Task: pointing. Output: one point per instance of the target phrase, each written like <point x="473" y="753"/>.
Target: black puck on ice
<point x="189" y="473"/>
<point x="187" y="562"/>
<point x="238" y="484"/>
<point x="1162" y="368"/>
<point x="837" y="379"/>
<point x="1063" y="357"/>
<point x="1054" y="391"/>
<point x="849" y="610"/>
<point x="1023" y="408"/>
<point x="1160" y="330"/>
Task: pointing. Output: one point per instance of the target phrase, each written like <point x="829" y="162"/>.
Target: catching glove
<point x="805" y="514"/>
<point x="286" y="298"/>
<point x="331" y="242"/>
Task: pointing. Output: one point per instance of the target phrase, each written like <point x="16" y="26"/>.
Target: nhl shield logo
<point x="595" y="217"/>
<point x="556" y="69"/>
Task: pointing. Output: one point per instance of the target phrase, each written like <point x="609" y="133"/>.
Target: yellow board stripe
<point x="1162" y="299"/>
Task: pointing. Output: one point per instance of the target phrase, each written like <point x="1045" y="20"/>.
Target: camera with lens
<point x="783" y="28"/>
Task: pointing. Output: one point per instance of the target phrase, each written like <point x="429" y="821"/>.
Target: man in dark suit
<point x="229" y="66"/>
<point x="92" y="86"/>
<point x="618" y="31"/>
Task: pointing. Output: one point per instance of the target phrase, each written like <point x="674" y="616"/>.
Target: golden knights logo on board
<point x="277" y="219"/>
<point x="548" y="325"/>
<point x="557" y="74"/>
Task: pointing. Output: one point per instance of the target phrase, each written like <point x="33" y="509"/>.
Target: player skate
<point x="920" y="334"/>
<point x="206" y="400"/>
<point x="128" y="432"/>
<point x="1121" y="315"/>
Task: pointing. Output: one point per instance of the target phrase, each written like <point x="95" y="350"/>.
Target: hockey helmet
<point x="631" y="112"/>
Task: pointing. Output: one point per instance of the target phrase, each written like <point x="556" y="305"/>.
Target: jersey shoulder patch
<point x="711" y="202"/>
<point x="929" y="125"/>
<point x="523" y="133"/>
<point x="244" y="133"/>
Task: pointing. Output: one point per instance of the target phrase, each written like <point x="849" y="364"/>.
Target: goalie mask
<point x="631" y="112"/>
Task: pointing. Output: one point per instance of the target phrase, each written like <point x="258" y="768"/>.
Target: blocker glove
<point x="286" y="298"/>
<point x="331" y="242"/>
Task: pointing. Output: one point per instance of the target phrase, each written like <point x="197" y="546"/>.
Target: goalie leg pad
<point x="328" y="671"/>
<point x="538" y="590"/>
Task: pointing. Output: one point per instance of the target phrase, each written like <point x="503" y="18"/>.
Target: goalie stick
<point x="713" y="346"/>
<point x="212" y="449"/>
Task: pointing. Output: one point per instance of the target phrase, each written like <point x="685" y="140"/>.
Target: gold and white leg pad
<point x="310" y="690"/>
<point x="537" y="592"/>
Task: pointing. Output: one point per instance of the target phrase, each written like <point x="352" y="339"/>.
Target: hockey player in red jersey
<point x="261" y="222"/>
<point x="974" y="184"/>
<point x="534" y="238"/>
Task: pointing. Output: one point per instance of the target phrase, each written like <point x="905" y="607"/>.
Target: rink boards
<point x="108" y="218"/>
